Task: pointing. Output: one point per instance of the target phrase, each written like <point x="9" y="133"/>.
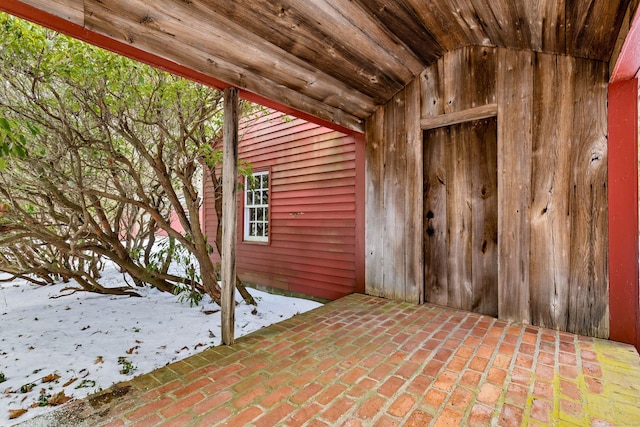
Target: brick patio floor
<point x="365" y="361"/>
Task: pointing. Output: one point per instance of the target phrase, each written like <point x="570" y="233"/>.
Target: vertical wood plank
<point x="550" y="182"/>
<point x="484" y="225"/>
<point x="432" y="90"/>
<point x="229" y="216"/>
<point x="394" y="197"/>
<point x="375" y="211"/>
<point x="414" y="258"/>
<point x="515" y="92"/>
<point x="456" y="81"/>
<point x="588" y="286"/>
<point x="458" y="157"/>
<point x="435" y="216"/>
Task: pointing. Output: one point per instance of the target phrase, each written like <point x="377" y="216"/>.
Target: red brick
<point x="279" y="379"/>
<point x="511" y="416"/>
<point x="521" y="376"/>
<point x="544" y="372"/>
<point x="303" y="414"/>
<point x="594" y="386"/>
<point x="517" y="394"/>
<point x="546" y="358"/>
<point x="572" y="408"/>
<point x="212" y="402"/>
<point x="478" y="363"/>
<point x="435" y="398"/>
<point x="195" y="386"/>
<point x="485" y="351"/>
<point x="361" y="387"/>
<point x="390" y="386"/>
<point x="151" y="421"/>
<point x="543" y="389"/>
<point x="592" y="369"/>
<point x="381" y="371"/>
<point x="480" y="416"/>
<point x="470" y="379"/>
<point x="352" y="423"/>
<point x="502" y="361"/>
<point x="402" y="406"/>
<point x="220" y="385"/>
<point x="245" y="417"/>
<point x="568" y="359"/>
<point x="456" y="364"/>
<point x="524" y="361"/>
<point x="489" y="394"/>
<point x="432" y="368"/>
<point x="156" y="392"/>
<point x="384" y="421"/>
<point x="149" y="408"/>
<point x="180" y="421"/>
<point x="337" y="409"/>
<point x="408" y="369"/>
<point x="570" y="390"/>
<point x="277" y="396"/>
<point x="249" y="396"/>
<point x="460" y="399"/>
<point x="418" y="419"/>
<point x="465" y="352"/>
<point x="371" y="407"/>
<point x="448" y="417"/>
<point x="496" y="376"/>
<point x="306" y="393"/>
<point x="330" y="394"/>
<point x="419" y="384"/>
<point x="181" y="405"/>
<point x="304" y="379"/>
<point x="272" y="417"/>
<point x="353" y="375"/>
<point x="541" y="410"/>
<point x="445" y="380"/>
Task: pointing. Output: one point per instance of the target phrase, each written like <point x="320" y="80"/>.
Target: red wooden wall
<point x="316" y="244"/>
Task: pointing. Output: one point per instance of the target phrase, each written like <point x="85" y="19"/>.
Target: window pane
<point x="249" y="198"/>
<point x="265" y="198"/>
<point x="264" y="181"/>
<point x="266" y="229"/>
<point x="259" y="229"/>
<point x="259" y="215"/>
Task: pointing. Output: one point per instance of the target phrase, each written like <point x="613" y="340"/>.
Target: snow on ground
<point x="90" y="340"/>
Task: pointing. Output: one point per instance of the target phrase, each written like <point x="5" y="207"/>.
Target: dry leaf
<point x="98" y="360"/>
<point x="197" y="346"/>
<point x="15" y="413"/>
<point x="138" y="342"/>
<point x="59" y="398"/>
<point x="51" y="378"/>
<point x="132" y="349"/>
<point x="71" y="381"/>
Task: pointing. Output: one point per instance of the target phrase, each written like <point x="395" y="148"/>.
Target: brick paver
<point x="365" y="361"/>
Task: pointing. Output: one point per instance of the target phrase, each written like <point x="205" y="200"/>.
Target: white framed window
<point x="256" y="207"/>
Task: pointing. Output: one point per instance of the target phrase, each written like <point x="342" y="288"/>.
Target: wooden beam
<point x="229" y="213"/>
<point x="468" y="115"/>
<point x="624" y="289"/>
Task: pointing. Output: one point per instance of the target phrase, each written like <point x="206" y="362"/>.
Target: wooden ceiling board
<point x="122" y="21"/>
<point x="363" y="56"/>
<point x="70" y="10"/>
<point x="338" y="59"/>
<point x="592" y="27"/>
<point x="397" y="15"/>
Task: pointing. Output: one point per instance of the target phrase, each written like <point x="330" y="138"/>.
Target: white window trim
<point x="247" y="207"/>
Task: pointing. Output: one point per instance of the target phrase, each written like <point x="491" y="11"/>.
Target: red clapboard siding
<point x="313" y="247"/>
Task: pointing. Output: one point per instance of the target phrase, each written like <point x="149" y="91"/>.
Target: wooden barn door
<point x="461" y="216"/>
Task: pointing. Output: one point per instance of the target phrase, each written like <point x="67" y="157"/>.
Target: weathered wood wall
<point x="315" y="215"/>
<point x="393" y="231"/>
<point x="551" y="178"/>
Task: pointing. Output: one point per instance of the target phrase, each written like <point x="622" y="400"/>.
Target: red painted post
<point x="624" y="285"/>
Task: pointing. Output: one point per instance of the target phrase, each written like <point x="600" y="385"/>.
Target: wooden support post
<point x="229" y="214"/>
<point x="624" y="289"/>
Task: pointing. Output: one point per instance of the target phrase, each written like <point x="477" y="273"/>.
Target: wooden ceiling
<point x="337" y="60"/>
